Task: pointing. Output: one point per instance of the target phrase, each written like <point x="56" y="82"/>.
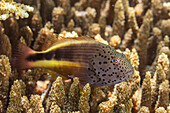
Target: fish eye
<point x="115" y="60"/>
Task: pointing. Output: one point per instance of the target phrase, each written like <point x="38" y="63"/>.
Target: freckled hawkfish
<point x="91" y="61"/>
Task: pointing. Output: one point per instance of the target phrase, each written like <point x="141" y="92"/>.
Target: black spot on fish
<point x="104" y="75"/>
<point x="91" y="77"/>
<point x="94" y="81"/>
<point x="108" y="58"/>
<point x="117" y="76"/>
<point x="99" y="80"/>
<point x="109" y="81"/>
<point x="104" y="62"/>
<point x="100" y="63"/>
<point x="105" y="56"/>
<point x="103" y="79"/>
<point x="98" y="72"/>
<point x="121" y="70"/>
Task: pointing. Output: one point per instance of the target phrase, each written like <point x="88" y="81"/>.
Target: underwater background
<point x="138" y="28"/>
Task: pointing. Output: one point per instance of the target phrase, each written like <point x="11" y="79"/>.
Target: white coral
<point x="8" y="8"/>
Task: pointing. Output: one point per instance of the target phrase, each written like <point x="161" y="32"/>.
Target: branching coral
<point x="17" y="91"/>
<point x="5" y="71"/>
<point x="9" y="7"/>
<point x="139" y="29"/>
<point x="84" y="106"/>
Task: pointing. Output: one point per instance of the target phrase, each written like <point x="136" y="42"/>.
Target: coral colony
<point x="137" y="28"/>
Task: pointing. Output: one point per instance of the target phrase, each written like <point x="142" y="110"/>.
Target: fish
<point x="91" y="61"/>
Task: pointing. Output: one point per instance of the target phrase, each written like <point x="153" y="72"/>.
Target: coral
<point x="5" y="71"/>
<point x="134" y="59"/>
<point x="137" y="28"/>
<point x="36" y="23"/>
<point x="97" y="95"/>
<point x="132" y="22"/>
<point x="5" y="44"/>
<point x="74" y="94"/>
<point x="142" y="39"/>
<point x="136" y="99"/>
<point x="100" y="39"/>
<point x="1" y="107"/>
<point x="57" y="93"/>
<point x="144" y="109"/>
<point x="45" y="35"/>
<point x="122" y="92"/>
<point x="17" y="91"/>
<point x="25" y="104"/>
<point x="93" y="30"/>
<point x="27" y="34"/>
<point x="160" y="110"/>
<point x="146" y="91"/>
<point x="164" y="61"/>
<point x="158" y="78"/>
<point x="84" y="106"/>
<point x="139" y="9"/>
<point x="35" y="104"/>
<point x="126" y="40"/>
<point x="115" y="41"/>
<point x="55" y="108"/>
<point x="103" y="16"/>
<point x="163" y="98"/>
<point x="8" y="8"/>
<point x="107" y="107"/>
<point x="31" y="77"/>
<point x="12" y="31"/>
<point x="119" y="19"/>
<point x="85" y="18"/>
<point x="58" y="19"/>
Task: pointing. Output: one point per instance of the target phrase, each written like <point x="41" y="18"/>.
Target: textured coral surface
<point x="138" y="28"/>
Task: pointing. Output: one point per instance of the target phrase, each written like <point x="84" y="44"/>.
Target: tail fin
<point x="20" y="53"/>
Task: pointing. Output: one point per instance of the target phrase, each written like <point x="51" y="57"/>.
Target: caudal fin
<point x="20" y="53"/>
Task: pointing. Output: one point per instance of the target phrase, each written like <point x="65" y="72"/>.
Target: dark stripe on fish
<point x="77" y="53"/>
<point x="41" y="56"/>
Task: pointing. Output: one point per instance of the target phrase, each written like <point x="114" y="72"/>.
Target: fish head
<point x="122" y="69"/>
<point x="110" y="67"/>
